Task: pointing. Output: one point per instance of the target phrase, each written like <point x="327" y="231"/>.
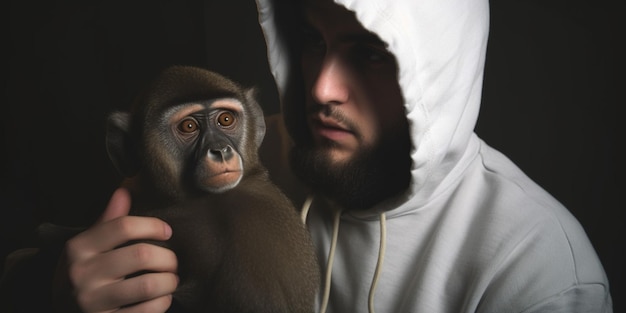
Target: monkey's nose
<point x="223" y="154"/>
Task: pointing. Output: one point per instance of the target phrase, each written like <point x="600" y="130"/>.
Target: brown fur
<point x="240" y="250"/>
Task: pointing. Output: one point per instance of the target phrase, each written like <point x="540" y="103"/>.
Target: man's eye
<point x="372" y="54"/>
<point x="312" y="40"/>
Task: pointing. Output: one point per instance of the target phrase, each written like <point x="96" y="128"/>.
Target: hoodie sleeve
<point x="579" y="298"/>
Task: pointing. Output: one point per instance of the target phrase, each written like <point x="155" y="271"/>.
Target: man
<point x="410" y="211"/>
<point x="468" y="231"/>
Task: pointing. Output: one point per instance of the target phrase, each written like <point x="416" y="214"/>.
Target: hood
<point x="440" y="47"/>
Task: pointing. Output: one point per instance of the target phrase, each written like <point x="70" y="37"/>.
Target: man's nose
<point x="332" y="83"/>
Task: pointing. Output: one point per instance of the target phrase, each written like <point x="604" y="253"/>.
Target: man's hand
<point x="97" y="269"/>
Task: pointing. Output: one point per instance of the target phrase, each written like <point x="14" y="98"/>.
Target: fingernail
<point x="168" y="231"/>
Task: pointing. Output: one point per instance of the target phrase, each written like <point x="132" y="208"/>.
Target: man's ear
<point x="121" y="148"/>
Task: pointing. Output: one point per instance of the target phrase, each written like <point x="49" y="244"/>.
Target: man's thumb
<point x="119" y="205"/>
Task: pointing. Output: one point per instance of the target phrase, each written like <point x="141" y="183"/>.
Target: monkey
<point x="188" y="151"/>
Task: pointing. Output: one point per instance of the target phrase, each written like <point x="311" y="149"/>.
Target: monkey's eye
<point x="225" y="119"/>
<point x="188" y="125"/>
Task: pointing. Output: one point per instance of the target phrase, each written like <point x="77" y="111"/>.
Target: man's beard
<point x="371" y="176"/>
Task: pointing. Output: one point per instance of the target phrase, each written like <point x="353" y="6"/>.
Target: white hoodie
<point x="473" y="233"/>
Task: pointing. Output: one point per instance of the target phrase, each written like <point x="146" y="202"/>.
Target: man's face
<point x="353" y="99"/>
<point x="359" y="154"/>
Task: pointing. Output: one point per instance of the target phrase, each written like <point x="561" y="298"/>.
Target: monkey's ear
<point x="258" y="117"/>
<point x="120" y="145"/>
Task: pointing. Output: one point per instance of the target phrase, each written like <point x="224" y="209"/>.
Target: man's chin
<point x="354" y="179"/>
<point x="335" y="157"/>
<point x="337" y="175"/>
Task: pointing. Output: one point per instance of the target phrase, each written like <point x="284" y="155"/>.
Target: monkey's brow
<point x="175" y="109"/>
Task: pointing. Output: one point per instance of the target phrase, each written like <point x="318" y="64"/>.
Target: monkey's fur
<point x="240" y="244"/>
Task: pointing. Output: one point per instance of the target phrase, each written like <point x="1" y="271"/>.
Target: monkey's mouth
<point x="225" y="172"/>
<point x="223" y="180"/>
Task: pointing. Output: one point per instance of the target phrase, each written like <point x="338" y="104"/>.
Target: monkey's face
<point x="191" y="131"/>
<point x="198" y="144"/>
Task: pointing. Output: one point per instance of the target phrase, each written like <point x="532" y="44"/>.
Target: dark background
<point x="553" y="98"/>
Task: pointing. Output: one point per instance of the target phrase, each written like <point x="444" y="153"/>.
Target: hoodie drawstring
<point x="305" y="208"/>
<point x="379" y="262"/>
<point x="331" y="255"/>
<point x="331" y="260"/>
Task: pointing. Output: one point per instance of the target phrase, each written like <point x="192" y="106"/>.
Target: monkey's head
<point x="191" y="131"/>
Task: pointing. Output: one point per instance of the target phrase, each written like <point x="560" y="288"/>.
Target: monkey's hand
<point x="93" y="268"/>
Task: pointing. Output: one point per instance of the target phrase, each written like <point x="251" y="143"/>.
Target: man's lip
<point x="330" y="128"/>
<point x="327" y="122"/>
